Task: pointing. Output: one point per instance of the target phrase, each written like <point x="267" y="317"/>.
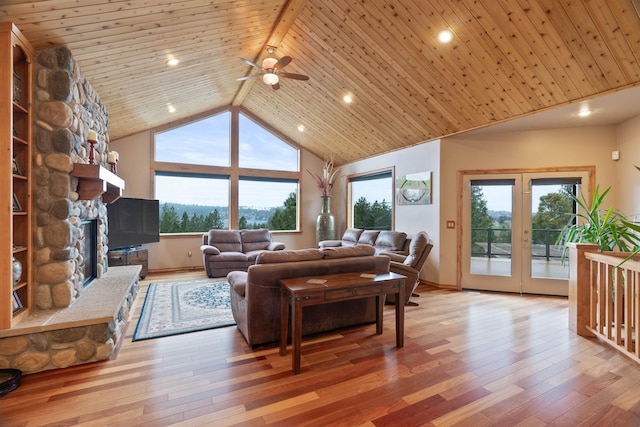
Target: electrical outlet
<point x="189" y="254"/>
<point x="451" y="224"/>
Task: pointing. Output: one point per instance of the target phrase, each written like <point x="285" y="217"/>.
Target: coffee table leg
<point x="284" y="321"/>
<point x="296" y="334"/>
<point x="400" y="316"/>
<point x="379" y="313"/>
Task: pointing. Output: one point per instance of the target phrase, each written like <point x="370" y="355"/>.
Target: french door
<point x="511" y="223"/>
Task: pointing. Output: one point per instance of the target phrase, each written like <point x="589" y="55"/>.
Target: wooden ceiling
<point x="508" y="59"/>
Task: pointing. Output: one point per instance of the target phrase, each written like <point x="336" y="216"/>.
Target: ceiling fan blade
<point x="282" y="62"/>
<point x="247" y="77"/>
<point x="293" y="76"/>
<point x="276" y="86"/>
<point x="250" y="63"/>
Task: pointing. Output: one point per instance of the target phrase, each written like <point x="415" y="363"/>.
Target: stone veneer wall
<point x="66" y="107"/>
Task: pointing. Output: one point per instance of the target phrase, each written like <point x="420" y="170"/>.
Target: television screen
<point x="133" y="222"/>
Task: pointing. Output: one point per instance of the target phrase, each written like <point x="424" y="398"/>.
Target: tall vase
<point x="325" y="223"/>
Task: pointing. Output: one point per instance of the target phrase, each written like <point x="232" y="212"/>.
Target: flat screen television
<point x="133" y="222"/>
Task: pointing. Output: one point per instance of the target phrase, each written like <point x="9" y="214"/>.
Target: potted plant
<point x="608" y="228"/>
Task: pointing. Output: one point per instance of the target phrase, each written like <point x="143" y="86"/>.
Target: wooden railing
<point x="604" y="297"/>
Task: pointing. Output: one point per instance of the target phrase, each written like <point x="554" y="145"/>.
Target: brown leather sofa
<point x="383" y="241"/>
<point x="224" y="251"/>
<point x="255" y="294"/>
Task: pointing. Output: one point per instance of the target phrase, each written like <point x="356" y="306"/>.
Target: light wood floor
<point x="470" y="359"/>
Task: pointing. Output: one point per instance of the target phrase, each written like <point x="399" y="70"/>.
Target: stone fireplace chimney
<point x="66" y="108"/>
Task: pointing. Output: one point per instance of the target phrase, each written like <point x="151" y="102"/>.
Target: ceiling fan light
<point x="268" y="63"/>
<point x="270" y="78"/>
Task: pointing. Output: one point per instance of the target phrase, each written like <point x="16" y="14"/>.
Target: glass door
<point x="492" y="216"/>
<point x="511" y="226"/>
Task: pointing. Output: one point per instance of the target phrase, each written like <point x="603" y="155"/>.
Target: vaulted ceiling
<point x="508" y="59"/>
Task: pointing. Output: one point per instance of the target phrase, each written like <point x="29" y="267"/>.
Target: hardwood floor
<point x="470" y="359"/>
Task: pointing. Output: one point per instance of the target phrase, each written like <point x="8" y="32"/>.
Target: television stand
<point x="130" y="256"/>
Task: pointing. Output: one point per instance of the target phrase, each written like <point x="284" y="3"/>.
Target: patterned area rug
<point x="172" y="308"/>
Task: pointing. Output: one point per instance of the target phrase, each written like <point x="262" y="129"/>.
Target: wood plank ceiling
<point x="508" y="59"/>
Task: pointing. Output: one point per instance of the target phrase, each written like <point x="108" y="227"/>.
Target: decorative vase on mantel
<point x="325" y="223"/>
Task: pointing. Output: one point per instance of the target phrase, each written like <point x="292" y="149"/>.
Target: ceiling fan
<point x="271" y="70"/>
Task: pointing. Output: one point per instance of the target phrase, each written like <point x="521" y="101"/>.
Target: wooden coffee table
<point x="307" y="291"/>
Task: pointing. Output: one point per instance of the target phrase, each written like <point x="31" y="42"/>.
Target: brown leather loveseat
<point x="224" y="251"/>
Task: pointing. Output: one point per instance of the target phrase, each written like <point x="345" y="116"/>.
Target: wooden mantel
<point x="95" y="181"/>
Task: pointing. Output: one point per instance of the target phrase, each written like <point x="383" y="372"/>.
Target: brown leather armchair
<point x="410" y="265"/>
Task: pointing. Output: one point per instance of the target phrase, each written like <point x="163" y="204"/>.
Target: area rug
<point x="172" y="308"/>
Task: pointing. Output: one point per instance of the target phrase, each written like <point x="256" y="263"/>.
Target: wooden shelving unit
<point x="16" y="300"/>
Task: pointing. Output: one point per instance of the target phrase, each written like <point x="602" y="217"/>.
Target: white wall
<point x="628" y="178"/>
<point x="172" y="251"/>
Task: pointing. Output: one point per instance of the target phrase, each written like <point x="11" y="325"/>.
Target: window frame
<point x="233" y="171"/>
<point x="363" y="176"/>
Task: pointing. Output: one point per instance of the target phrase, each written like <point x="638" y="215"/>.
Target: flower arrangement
<point x="328" y="178"/>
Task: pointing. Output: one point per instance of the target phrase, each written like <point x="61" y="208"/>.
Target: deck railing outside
<point x="606" y="298"/>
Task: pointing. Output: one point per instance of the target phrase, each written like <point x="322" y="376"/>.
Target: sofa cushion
<point x="289" y="256"/>
<point x="348" y="251"/>
<point x="368" y="237"/>
<point x="253" y="255"/>
<point x="232" y="256"/>
<point x="253" y="240"/>
<point x="391" y="240"/>
<point x="226" y="240"/>
<point x="351" y="236"/>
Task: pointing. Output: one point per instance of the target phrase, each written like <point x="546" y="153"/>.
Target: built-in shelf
<point x="95" y="181"/>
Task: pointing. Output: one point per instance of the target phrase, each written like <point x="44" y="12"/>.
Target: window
<point x="268" y="203"/>
<point x="195" y="177"/>
<point x="203" y="142"/>
<point x="192" y="203"/>
<point x="261" y="149"/>
<point x="371" y="201"/>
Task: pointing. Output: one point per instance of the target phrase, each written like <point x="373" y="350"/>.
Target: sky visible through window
<point x="204" y="142"/>
<point x="260" y="149"/>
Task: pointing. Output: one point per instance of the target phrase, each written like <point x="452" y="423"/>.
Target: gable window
<point x="371" y="201"/>
<point x="202" y="185"/>
<point x="203" y="142"/>
<point x="260" y="149"/>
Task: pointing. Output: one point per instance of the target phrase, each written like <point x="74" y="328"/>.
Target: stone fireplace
<point x="81" y="309"/>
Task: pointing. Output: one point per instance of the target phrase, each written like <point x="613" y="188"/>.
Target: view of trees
<point x="554" y="211"/>
<point x="175" y="218"/>
<point x="372" y="216"/>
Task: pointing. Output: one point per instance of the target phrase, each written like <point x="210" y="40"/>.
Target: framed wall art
<point x="414" y="189"/>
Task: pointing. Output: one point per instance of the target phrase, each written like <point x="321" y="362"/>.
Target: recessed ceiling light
<point x="445" y="36"/>
<point x="301" y="128"/>
<point x="171" y="108"/>
<point x="172" y="62"/>
<point x="584" y="113"/>
<point x="347" y="98"/>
